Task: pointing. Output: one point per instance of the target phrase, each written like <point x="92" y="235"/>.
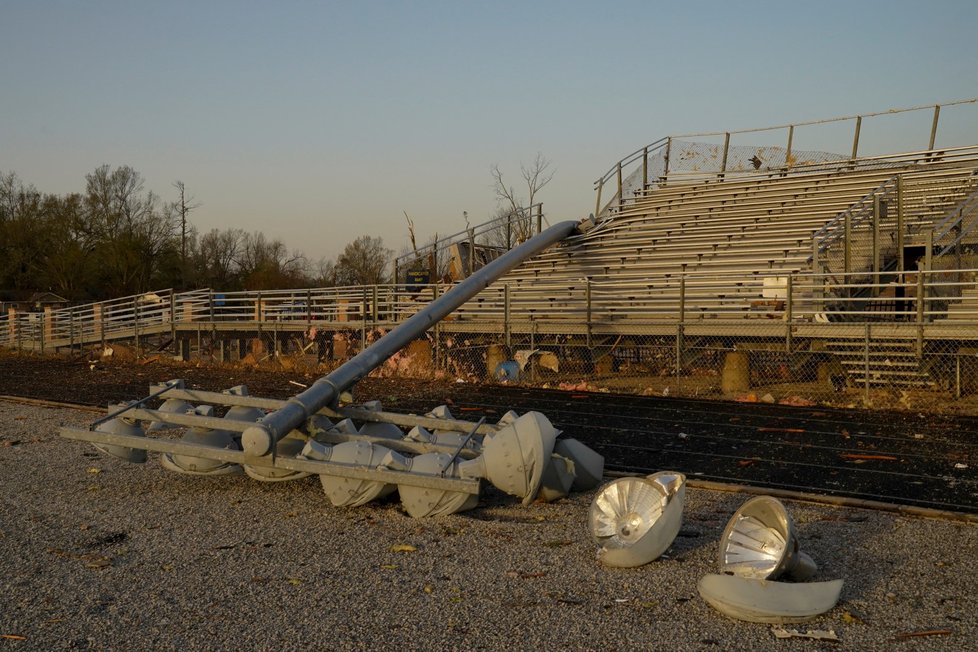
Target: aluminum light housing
<point x="515" y="457"/>
<point x="215" y="438"/>
<point x="120" y="426"/>
<point x="763" y="601"/>
<point x="420" y="502"/>
<point x="634" y="520"/>
<point x="760" y="542"/>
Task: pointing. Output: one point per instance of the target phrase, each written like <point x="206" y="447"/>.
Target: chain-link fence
<point x="875" y="339"/>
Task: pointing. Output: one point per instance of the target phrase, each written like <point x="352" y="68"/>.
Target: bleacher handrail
<point x="643" y="152"/>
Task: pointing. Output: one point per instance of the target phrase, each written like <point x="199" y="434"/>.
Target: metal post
<point x="726" y="150"/>
<point x="587" y="309"/>
<point x="210" y="316"/>
<point x="791" y="137"/>
<point x="929" y="253"/>
<point x="933" y="127"/>
<point x="866" y="363"/>
<point x="71" y="331"/>
<point x="665" y="169"/>
<point x="507" y="332"/>
<point x="259" y="439"/>
<point x="855" y="137"/>
<point x="373" y="311"/>
<point x="681" y="323"/>
<point x="539" y="219"/>
<point x="363" y="320"/>
<point x="957" y="375"/>
<point x="509" y="230"/>
<point x="597" y="201"/>
<point x="173" y="316"/>
<point x="876" y="243"/>
<point x="645" y="167"/>
<point x="920" y="313"/>
<point x="847" y="252"/>
<point x="621" y="199"/>
<point x="788" y="312"/>
<point x="434" y="297"/>
<point x="471" y="252"/>
<point x="135" y="322"/>
<point x="43" y="321"/>
<point x="901" y="263"/>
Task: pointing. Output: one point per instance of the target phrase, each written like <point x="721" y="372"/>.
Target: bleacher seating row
<point x="734" y="229"/>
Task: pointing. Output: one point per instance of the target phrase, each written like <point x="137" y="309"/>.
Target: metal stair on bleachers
<point x="892" y="362"/>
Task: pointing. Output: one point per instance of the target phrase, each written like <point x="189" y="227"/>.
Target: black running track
<point x="923" y="461"/>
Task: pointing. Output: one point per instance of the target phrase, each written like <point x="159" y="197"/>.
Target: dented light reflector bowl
<point x="760" y="542"/>
<point x="764" y="601"/>
<point x="634" y="520"/>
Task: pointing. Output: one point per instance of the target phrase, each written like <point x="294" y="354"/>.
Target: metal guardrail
<point x="503" y="231"/>
<point x="642" y="155"/>
<point x="581" y="305"/>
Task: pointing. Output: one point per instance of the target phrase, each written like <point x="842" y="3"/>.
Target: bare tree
<point x="267" y="265"/>
<point x="365" y="261"/>
<point x="126" y="228"/>
<point x="217" y="255"/>
<point x="512" y="203"/>
<point x="184" y="205"/>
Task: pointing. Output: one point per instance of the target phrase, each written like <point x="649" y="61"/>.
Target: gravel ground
<point x="98" y="554"/>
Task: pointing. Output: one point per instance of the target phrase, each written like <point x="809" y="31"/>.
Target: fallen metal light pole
<point x="260" y="438"/>
<point x="437" y="467"/>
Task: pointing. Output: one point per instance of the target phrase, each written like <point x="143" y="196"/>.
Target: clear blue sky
<point x="317" y="122"/>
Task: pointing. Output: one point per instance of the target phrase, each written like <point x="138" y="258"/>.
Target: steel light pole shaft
<point x="260" y="439"/>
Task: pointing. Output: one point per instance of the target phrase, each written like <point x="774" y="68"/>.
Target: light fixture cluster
<point x="635" y="519"/>
<point x="363" y="458"/>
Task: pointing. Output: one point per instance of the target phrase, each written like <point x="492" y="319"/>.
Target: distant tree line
<point x="116" y="239"/>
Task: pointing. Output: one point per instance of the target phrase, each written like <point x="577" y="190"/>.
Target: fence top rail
<point x="661" y="142"/>
<point x="445" y="242"/>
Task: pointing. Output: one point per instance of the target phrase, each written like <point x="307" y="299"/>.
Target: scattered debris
<point x="403" y="547"/>
<point x="903" y="636"/>
<point x="850" y="618"/>
<point x="868" y="456"/>
<point x="817" y="634"/>
<point x="788" y="430"/>
<point x="292" y="382"/>
<point x="960" y="465"/>
<point x="796" y="401"/>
